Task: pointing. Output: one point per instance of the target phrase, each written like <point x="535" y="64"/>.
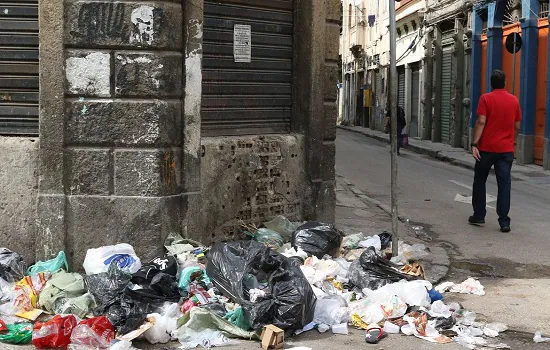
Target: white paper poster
<point x="242" y="43"/>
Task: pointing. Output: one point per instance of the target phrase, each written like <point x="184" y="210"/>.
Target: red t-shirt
<point x="502" y="111"/>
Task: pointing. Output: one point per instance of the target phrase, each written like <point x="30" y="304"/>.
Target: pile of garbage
<point x="287" y="277"/>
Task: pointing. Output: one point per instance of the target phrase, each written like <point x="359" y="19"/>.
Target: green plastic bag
<point x="65" y="292"/>
<point x="268" y="238"/>
<point x="238" y="318"/>
<point x="187" y="273"/>
<point x="199" y="319"/>
<point x="20" y="333"/>
<point x="52" y="266"/>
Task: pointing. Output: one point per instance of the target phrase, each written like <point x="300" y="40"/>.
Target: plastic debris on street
<point x="285" y="278"/>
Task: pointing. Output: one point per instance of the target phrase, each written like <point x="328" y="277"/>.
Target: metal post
<point x="514" y="65"/>
<point x="393" y="108"/>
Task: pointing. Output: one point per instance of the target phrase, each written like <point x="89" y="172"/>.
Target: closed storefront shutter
<point x="401" y="87"/>
<point x="415" y="100"/>
<point x="19" y="67"/>
<point x="446" y="87"/>
<point x="247" y="98"/>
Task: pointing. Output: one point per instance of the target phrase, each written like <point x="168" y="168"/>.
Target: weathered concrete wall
<point x="18" y="190"/>
<point x="250" y="179"/>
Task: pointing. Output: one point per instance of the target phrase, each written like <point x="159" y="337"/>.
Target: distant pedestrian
<point x="495" y="132"/>
<point x="401" y="123"/>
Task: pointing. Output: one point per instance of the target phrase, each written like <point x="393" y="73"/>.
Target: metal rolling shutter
<point x="446" y="86"/>
<point x="19" y="67"/>
<point x="247" y="98"/>
<point x="415" y="101"/>
<point x="401" y="88"/>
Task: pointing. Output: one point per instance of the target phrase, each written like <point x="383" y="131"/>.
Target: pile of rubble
<point x="287" y="278"/>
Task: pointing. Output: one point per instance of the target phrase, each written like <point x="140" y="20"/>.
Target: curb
<point x="437" y="265"/>
<point x="426" y="151"/>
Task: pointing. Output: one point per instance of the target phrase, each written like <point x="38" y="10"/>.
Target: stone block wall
<point x="121" y="140"/>
<point x="121" y="154"/>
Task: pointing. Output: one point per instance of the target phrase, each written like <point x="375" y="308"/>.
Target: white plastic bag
<point x="98" y="260"/>
<point x="122" y="345"/>
<point x="207" y="338"/>
<point x="439" y="309"/>
<point x="165" y="325"/>
<point x="331" y="310"/>
<point x="538" y="338"/>
<point x="493" y="329"/>
<point x="373" y="241"/>
<point x="416" y="294"/>
<point x="391" y="328"/>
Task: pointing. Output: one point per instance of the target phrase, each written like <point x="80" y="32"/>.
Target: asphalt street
<point x="434" y="196"/>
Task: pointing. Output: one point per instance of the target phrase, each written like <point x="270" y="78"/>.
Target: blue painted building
<point x="533" y="140"/>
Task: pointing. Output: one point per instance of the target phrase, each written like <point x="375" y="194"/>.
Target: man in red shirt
<point x="498" y="121"/>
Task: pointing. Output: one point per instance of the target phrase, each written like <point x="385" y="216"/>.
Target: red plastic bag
<point x="3" y="326"/>
<point x="96" y="332"/>
<point x="54" y="334"/>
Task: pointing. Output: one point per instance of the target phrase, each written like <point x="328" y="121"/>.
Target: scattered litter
<point x="340" y="329"/>
<point x="12" y="266"/>
<point x="94" y="333"/>
<point x="272" y="338"/>
<point x="538" y="338"/>
<point x="20" y="333"/>
<point x="494" y="329"/>
<point x="206" y="296"/>
<point x="470" y="286"/>
<point x="372" y="271"/>
<point x="374" y="335"/>
<point x="55" y="333"/>
<point x="391" y="328"/>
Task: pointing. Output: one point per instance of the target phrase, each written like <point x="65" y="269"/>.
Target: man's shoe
<point x="505" y="229"/>
<point x="475" y="221"/>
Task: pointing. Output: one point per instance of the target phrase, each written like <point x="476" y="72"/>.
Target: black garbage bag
<point x="317" y="239"/>
<point x="373" y="271"/>
<point x="385" y="239"/>
<point x="442" y="323"/>
<point x="108" y="290"/>
<point x="166" y="264"/>
<point x="237" y="267"/>
<point x="163" y="288"/>
<point x="12" y="266"/>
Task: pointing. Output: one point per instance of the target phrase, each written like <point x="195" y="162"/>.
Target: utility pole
<point x="393" y="109"/>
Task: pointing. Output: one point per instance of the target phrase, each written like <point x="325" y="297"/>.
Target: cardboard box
<point x="273" y="337"/>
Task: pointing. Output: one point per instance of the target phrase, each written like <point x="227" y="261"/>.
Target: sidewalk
<point x="446" y="153"/>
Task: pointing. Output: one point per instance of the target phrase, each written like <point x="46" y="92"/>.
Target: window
<point x="349" y="16"/>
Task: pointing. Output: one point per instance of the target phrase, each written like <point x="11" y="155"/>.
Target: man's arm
<point x="478" y="131"/>
<point x="518" y="127"/>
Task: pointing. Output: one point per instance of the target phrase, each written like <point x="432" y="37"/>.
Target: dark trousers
<point x="399" y="137"/>
<point x="503" y="167"/>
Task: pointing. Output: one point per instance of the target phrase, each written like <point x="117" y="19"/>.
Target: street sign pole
<point x="393" y="109"/>
<point x="514" y="65"/>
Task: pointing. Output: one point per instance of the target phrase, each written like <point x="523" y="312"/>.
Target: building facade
<point x="365" y="56"/>
<point x="462" y="43"/>
<point x="145" y="118"/>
